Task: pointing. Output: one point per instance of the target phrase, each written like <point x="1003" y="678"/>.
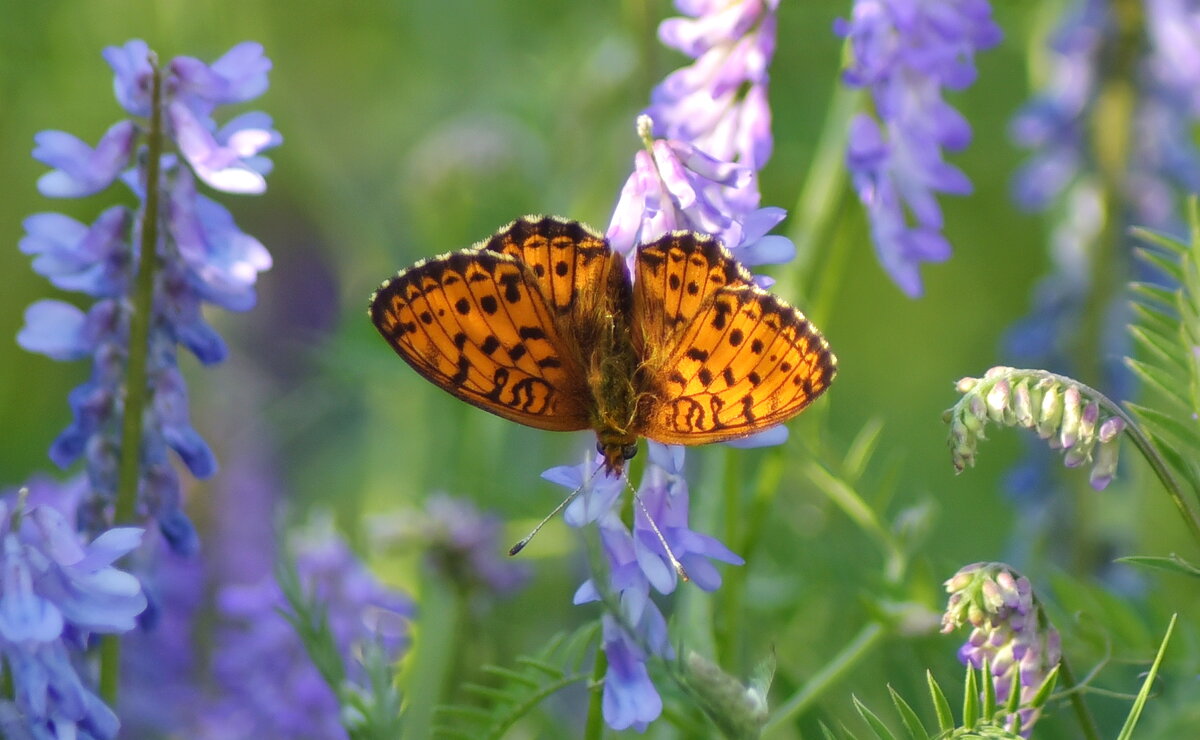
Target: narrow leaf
<point x="878" y="728"/>
<point x="1169" y="267"/>
<point x="1163" y="348"/>
<point x="1172" y="563"/>
<point x="1168" y="385"/>
<point x="989" y="691"/>
<point x="1159" y="238"/>
<point x="941" y="707"/>
<point x="1152" y="293"/>
<point x="1139" y="704"/>
<point x="970" y="700"/>
<point x="1043" y="693"/>
<point x="912" y="723"/>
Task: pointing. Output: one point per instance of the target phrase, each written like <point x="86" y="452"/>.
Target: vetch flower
<point x="199" y="257"/>
<point x="267" y="683"/>
<point x="56" y="590"/>
<point x="906" y="53"/>
<point x="718" y="104"/>
<point x="1067" y="414"/>
<point x="1010" y="632"/>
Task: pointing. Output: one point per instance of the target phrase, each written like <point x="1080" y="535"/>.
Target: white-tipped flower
<point x="1066" y="414"/>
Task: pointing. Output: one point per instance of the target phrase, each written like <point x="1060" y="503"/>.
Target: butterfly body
<point x="544" y="325"/>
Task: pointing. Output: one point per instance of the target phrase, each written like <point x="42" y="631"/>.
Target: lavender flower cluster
<point x="1009" y="632"/>
<point x="56" y="591"/>
<point x="905" y="53"/>
<point x="200" y="257"/>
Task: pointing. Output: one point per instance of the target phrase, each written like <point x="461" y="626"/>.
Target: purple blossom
<point x="202" y="258"/>
<point x="459" y="541"/>
<point x="56" y="590"/>
<point x="906" y="52"/>
<point x="719" y="103"/>
<point x="268" y="684"/>
<point x="1009" y="630"/>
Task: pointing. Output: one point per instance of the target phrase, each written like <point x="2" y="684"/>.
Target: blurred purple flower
<point x="906" y="52"/>
<point x="56" y="590"/>
<point x="458" y="540"/>
<point x="203" y="257"/>
<point x="267" y="684"/>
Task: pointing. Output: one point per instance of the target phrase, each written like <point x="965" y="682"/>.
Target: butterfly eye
<point x="628" y="451"/>
<point x="600" y="447"/>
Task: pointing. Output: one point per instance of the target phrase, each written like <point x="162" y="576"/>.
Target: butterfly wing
<point x="570" y="261"/>
<point x="476" y="324"/>
<point x="725" y="359"/>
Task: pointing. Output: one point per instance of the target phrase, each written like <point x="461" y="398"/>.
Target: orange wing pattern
<point x="675" y="276"/>
<point x="476" y="324"/>
<point x="736" y="360"/>
<point x="569" y="259"/>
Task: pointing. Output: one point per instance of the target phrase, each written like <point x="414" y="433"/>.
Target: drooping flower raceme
<point x="56" y="590"/>
<point x="200" y="257"/>
<point x="906" y="53"/>
<point x="1070" y="416"/>
<point x="1009" y="630"/>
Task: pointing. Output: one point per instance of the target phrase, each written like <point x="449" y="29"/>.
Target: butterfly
<point x="543" y="324"/>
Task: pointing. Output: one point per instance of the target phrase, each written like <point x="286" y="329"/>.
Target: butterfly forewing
<point x="476" y="324"/>
<point x="675" y="277"/>
<point x="569" y="260"/>
<point x="739" y="361"/>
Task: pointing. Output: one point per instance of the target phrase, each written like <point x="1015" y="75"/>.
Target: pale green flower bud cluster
<point x="1010" y="633"/>
<point x="1061" y="411"/>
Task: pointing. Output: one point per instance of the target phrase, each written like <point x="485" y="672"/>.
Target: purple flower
<point x="1009" y="630"/>
<point x="202" y="258"/>
<point x="55" y="591"/>
<point x="268" y="684"/>
<point x="906" y="52"/>
<point x="719" y="103"/>
<point x="460" y="542"/>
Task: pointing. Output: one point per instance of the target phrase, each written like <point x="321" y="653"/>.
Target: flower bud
<point x="1051" y="413"/>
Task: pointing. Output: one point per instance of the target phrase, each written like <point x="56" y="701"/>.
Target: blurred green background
<point x="412" y="128"/>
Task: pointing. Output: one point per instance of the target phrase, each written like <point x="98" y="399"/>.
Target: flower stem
<point x="1087" y="723"/>
<point x="135" y="368"/>
<point x="853" y="653"/>
<point x="594" y="728"/>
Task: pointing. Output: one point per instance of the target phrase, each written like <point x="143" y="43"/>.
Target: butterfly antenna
<point x="562" y="505"/>
<point x="678" y="566"/>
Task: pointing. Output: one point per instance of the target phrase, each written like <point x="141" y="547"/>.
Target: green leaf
<point x="989" y="691"/>
<point x="1139" y="704"/>
<point x="941" y="707"/>
<point x="1164" y="348"/>
<point x="1014" y="693"/>
<point x="1166" y="383"/>
<point x="1150" y="316"/>
<point x="878" y="728"/>
<point x="970" y="700"/>
<point x="1155" y="294"/>
<point x="1043" y="693"/>
<point x="912" y="723"/>
<point x="1172" y="563"/>
<point x="1159" y="238"/>
<point x="1183" y="437"/>
<point x="1169" y="266"/>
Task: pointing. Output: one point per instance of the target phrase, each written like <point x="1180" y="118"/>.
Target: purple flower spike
<point x="202" y="257"/>
<point x="906" y="53"/>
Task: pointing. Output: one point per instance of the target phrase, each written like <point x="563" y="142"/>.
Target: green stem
<point x="1140" y="440"/>
<point x="434" y="655"/>
<point x="594" y="728"/>
<point x="850" y="656"/>
<point x="1087" y="723"/>
<point x="136" y="374"/>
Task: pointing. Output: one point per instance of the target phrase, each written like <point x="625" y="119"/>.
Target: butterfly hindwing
<point x="476" y="324"/>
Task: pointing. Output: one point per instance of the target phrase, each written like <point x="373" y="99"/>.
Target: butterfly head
<point x="616" y="450"/>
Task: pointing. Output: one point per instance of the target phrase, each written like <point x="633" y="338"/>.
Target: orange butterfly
<point x="543" y="325"/>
